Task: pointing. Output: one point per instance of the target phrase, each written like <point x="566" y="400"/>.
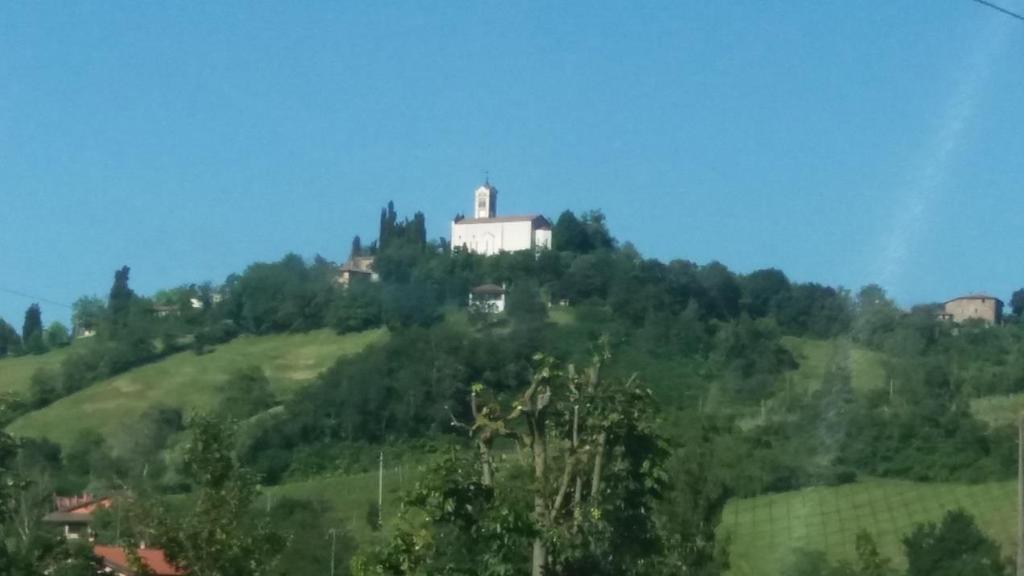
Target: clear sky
<point x="843" y="142"/>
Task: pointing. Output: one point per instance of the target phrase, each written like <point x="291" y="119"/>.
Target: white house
<point x="487" y="233"/>
<point x="487" y="298"/>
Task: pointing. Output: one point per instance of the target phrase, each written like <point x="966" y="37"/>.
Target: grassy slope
<point x="814" y="357"/>
<point x="189" y="381"/>
<point x="766" y="530"/>
<point x="351" y="495"/>
<point x="998" y="410"/>
<point x="15" y="373"/>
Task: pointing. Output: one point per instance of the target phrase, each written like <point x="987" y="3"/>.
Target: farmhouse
<point x="357" y="267"/>
<point x="74" y="514"/>
<point x="973" y="307"/>
<point x="488" y="234"/>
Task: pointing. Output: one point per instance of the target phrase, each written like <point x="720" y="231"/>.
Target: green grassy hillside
<point x="189" y="381"/>
<point x="814" y="357"/>
<point x="15" y="373"/>
<point x="766" y="530"/>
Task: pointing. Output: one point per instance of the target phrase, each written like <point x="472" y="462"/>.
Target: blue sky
<point x="843" y="142"/>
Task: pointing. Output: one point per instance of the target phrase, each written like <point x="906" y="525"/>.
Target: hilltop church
<point x="488" y="234"/>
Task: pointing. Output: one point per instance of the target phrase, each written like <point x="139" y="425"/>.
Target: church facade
<point x="488" y="234"/>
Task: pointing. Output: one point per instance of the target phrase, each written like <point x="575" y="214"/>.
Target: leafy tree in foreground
<point x="218" y="536"/>
<point x="954" y="547"/>
<point x="583" y="504"/>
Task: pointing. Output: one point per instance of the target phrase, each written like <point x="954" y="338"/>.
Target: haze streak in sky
<point x="929" y="179"/>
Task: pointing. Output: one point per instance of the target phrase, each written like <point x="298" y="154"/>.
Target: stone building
<point x="357" y="267"/>
<point x="973" y="307"/>
<point x="487" y="233"/>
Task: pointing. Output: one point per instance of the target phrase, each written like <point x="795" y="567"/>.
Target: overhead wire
<point x="1000" y="9"/>
<point x="34" y="298"/>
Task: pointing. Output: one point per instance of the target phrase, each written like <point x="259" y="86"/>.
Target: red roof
<point x="116" y="558"/>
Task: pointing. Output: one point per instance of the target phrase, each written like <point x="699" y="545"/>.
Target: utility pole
<point x="334" y="536"/>
<point x="1020" y="494"/>
<point x="380" y="492"/>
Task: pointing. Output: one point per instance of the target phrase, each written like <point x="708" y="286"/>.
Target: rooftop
<point x="499" y="219"/>
<point x="488" y="289"/>
<point x="154" y="559"/>
<point x="974" y="297"/>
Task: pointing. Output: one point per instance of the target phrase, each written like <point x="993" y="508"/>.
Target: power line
<point x="36" y="298"/>
<point x="1000" y="9"/>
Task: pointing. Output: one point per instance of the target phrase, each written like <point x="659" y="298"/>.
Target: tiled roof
<point x="153" y="558"/>
<point x="499" y="219"/>
<point x="974" y="297"/>
<point x="488" y="289"/>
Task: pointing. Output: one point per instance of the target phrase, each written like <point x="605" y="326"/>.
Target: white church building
<point x="487" y="233"/>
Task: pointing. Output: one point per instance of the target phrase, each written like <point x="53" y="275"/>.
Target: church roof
<point x="500" y="219"/>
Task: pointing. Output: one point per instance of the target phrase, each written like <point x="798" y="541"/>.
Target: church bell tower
<point x="486" y="201"/>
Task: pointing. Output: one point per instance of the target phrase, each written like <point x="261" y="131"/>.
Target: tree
<point x="875" y="316"/>
<point x="307" y="522"/>
<point x="954" y="547"/>
<point x="1017" y="302"/>
<point x="32" y="330"/>
<point x="44" y="388"/>
<point x="87" y="313"/>
<point x="596" y="226"/>
<point x="569" y="235"/>
<point x="121" y="297"/>
<point x="356" y="308"/>
<point x="692" y="509"/>
<point x="870" y="561"/>
<point x="246" y="393"/>
<point x="10" y="341"/>
<point x="524" y="304"/>
<point x="596" y="469"/>
<point x="762" y="290"/>
<point x="218" y="536"/>
<point x="721" y="289"/>
<point x="57" y="335"/>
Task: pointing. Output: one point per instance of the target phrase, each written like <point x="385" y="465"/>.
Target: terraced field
<point x="767" y="530"/>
